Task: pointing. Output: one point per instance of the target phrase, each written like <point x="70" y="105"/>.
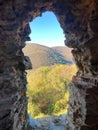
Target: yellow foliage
<point x="48" y="89"/>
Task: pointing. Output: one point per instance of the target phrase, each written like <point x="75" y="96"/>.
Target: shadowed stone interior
<point x="79" y="21"/>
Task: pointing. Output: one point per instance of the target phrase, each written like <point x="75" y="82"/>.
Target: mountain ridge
<point x="41" y="55"/>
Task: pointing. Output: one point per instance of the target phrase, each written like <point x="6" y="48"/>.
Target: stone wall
<point x="79" y="19"/>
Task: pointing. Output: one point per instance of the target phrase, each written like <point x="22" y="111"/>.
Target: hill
<point x="64" y="51"/>
<point x="45" y="56"/>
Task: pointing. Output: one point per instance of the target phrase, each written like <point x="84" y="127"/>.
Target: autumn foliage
<point x="48" y="89"/>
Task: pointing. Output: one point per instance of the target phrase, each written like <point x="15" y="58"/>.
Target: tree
<point x="48" y="89"/>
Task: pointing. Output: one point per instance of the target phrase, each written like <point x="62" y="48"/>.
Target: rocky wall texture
<point x="13" y="101"/>
<point x="79" y="19"/>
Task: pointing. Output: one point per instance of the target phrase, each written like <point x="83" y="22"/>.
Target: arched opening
<point x="52" y="71"/>
<point x="79" y="20"/>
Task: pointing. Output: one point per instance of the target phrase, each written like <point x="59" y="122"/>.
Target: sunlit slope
<point x="44" y="56"/>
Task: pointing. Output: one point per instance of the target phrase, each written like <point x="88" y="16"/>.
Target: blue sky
<point x="46" y="30"/>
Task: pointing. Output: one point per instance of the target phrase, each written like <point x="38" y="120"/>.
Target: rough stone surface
<point x="48" y="123"/>
<point x="79" y="20"/>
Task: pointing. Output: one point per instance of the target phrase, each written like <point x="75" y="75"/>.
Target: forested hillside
<point x="65" y="52"/>
<point x="48" y="89"/>
<point x="45" y="56"/>
<point x="49" y="79"/>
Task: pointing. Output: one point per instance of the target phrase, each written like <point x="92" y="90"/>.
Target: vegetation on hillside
<point x="44" y="56"/>
<point x="48" y="89"/>
<point x="64" y="51"/>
